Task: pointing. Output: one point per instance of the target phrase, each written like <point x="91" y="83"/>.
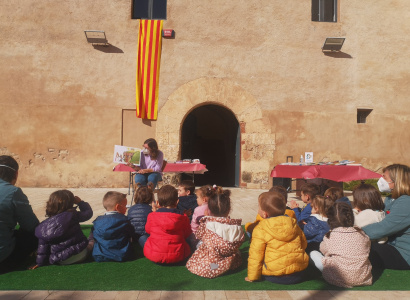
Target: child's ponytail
<point x="339" y="215"/>
<point x="208" y="191"/>
<point x="219" y="204"/>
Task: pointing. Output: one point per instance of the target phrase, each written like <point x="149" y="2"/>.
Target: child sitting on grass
<point x="368" y="207"/>
<point x="202" y="196"/>
<point x="60" y="238"/>
<point x="277" y="250"/>
<point x="168" y="229"/>
<point x="138" y="213"/>
<point x="281" y="190"/>
<point x="308" y="192"/>
<point x="344" y="258"/>
<point x="316" y="225"/>
<point x="337" y="195"/>
<point x="112" y="232"/>
<point x="221" y="238"/>
<point x="187" y="198"/>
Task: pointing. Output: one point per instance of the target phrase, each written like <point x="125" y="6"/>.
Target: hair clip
<point x="8" y="167"/>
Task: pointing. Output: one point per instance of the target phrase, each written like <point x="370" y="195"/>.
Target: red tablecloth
<point x="330" y="172"/>
<point x="188" y="168"/>
<point x="123" y="168"/>
<point x="170" y="167"/>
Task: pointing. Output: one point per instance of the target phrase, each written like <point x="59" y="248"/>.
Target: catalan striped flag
<point x="149" y="58"/>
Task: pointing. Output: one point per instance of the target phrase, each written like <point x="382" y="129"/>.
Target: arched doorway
<point x="257" y="141"/>
<point x="211" y="133"/>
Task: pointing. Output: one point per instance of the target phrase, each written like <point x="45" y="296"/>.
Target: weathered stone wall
<point x="258" y="143"/>
<point x="62" y="100"/>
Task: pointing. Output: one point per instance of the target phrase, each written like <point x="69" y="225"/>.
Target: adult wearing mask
<point x="149" y="171"/>
<point x="395" y="254"/>
<point x="15" y="209"/>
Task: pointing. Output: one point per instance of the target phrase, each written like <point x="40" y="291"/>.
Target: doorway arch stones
<point x="257" y="140"/>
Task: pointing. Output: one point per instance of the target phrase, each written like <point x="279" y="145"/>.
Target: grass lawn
<point x="142" y="274"/>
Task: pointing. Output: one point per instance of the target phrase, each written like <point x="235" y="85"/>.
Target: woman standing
<point x="395" y="254"/>
<point x="149" y="171"/>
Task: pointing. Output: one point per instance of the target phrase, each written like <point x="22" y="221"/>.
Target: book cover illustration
<point x="124" y="155"/>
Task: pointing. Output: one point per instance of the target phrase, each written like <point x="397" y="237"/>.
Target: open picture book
<point x="125" y="155"/>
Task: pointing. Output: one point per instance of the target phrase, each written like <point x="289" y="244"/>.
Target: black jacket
<point x="138" y="214"/>
<point x="187" y="202"/>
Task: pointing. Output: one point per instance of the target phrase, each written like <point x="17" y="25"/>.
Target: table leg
<point x="129" y="183"/>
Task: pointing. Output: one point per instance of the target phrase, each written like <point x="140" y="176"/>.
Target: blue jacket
<point x="14" y="209"/>
<point x="60" y="236"/>
<point x="303" y="214"/>
<point x="138" y="214"/>
<point x="396" y="225"/>
<point x="315" y="229"/>
<point x="187" y="202"/>
<point x="112" y="235"/>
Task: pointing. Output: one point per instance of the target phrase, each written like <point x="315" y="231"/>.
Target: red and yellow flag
<point x="149" y="58"/>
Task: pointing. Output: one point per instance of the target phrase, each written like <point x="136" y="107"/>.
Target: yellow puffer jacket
<point x="251" y="225"/>
<point x="277" y="248"/>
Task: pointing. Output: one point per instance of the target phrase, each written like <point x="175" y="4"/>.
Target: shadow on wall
<point x="339" y="54"/>
<point x="108" y="49"/>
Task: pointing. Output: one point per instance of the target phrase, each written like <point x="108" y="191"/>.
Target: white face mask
<point x="145" y="151"/>
<point x="383" y="185"/>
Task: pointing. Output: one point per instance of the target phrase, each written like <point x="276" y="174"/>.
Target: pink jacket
<point x="346" y="257"/>
<point x="198" y="212"/>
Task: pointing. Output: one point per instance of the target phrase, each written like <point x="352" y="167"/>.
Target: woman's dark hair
<point x="153" y="146"/>
<point x="8" y="168"/>
<point x="220" y="204"/>
<point x="339" y="215"/>
<point x="144" y="195"/>
<point x="59" y="201"/>
<point x="366" y="196"/>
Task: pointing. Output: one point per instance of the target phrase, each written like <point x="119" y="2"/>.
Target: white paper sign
<point x="308" y="157"/>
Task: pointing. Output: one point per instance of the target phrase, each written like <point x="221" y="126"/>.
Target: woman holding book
<point x="149" y="171"/>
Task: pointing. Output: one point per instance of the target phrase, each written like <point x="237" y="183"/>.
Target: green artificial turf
<point x="142" y="274"/>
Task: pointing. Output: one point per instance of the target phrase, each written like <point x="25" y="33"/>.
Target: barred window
<point x="324" y="10"/>
<point x="149" y="9"/>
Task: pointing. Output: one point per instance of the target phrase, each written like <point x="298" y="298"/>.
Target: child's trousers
<point x="316" y="257"/>
<point x="294" y="278"/>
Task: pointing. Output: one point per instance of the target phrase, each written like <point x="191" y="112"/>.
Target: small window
<point x="362" y="114"/>
<point x="149" y="9"/>
<point x="324" y="10"/>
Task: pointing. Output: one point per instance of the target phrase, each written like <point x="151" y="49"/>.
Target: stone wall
<point x="63" y="101"/>
<point x="257" y="141"/>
